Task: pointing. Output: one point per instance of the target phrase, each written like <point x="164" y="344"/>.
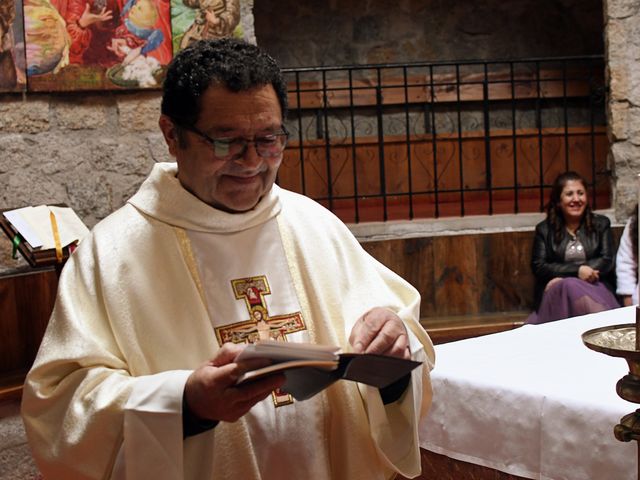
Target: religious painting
<point x="12" y="62"/>
<point x="96" y="44"/>
<point x="193" y="20"/>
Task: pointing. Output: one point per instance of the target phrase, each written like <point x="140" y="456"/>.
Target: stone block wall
<point x="623" y="72"/>
<point x="334" y="32"/>
<point x="88" y="150"/>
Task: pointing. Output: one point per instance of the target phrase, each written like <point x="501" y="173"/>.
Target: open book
<point x="37" y="231"/>
<point x="34" y="224"/>
<point x="310" y="368"/>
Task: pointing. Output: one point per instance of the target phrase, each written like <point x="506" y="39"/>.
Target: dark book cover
<point x="309" y="371"/>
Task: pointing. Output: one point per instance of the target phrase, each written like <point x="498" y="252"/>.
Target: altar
<point x="533" y="402"/>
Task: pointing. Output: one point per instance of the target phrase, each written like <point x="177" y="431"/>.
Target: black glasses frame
<point x="222" y="143"/>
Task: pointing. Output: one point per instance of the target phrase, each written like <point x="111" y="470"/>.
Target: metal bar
<point x="354" y="159"/>
<point x="514" y="141"/>
<point x="449" y="63"/>
<point x="593" y="143"/>
<point x="407" y="122"/>
<point x="460" y="157"/>
<point x="319" y="125"/>
<point x="565" y="116"/>
<point x="487" y="136"/>
<point x="300" y="136"/>
<point x="327" y="142"/>
<point x="539" y="127"/>
<point x="379" y="117"/>
<point x="434" y="144"/>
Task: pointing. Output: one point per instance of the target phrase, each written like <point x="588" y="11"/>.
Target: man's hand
<point x="380" y="331"/>
<point x="210" y="391"/>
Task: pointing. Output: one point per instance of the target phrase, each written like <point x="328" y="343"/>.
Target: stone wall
<point x="623" y="71"/>
<point x="334" y="32"/>
<point x="90" y="151"/>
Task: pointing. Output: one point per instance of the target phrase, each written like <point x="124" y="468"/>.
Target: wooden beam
<point x="439" y="89"/>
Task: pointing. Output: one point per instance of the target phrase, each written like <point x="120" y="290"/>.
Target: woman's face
<point x="573" y="200"/>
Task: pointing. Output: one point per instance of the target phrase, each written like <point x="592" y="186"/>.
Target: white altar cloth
<point x="533" y="402"/>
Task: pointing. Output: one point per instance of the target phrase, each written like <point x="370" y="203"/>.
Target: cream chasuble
<point x="153" y="292"/>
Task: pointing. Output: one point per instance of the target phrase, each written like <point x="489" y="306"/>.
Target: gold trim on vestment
<point x="190" y="260"/>
<point x="296" y="278"/>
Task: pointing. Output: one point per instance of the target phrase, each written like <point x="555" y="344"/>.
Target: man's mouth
<point x="244" y="178"/>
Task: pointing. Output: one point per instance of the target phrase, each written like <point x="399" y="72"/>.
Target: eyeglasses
<point x="270" y="145"/>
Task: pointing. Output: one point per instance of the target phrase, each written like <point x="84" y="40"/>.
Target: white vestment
<point x="150" y="295"/>
<point x="627" y="282"/>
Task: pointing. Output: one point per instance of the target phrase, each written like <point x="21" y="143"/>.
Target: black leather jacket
<point x="547" y="258"/>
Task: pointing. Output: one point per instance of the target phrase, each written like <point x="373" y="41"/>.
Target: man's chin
<point x="238" y="207"/>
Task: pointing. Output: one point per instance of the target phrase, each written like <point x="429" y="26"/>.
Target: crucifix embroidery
<point x="260" y="325"/>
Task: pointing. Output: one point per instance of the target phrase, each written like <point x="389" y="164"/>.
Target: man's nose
<point x="250" y="155"/>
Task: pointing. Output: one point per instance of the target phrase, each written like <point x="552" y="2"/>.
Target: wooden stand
<point x="26" y="302"/>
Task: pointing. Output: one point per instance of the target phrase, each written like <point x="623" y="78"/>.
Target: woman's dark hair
<point x="555" y="216"/>
<point x="234" y="64"/>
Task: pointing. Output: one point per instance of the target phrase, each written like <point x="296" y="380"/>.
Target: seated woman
<point x="573" y="257"/>
<point x="627" y="262"/>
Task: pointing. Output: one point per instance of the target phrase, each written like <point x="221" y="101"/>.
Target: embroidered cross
<point x="261" y="325"/>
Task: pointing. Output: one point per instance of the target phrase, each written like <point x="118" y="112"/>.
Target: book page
<point x="38" y="219"/>
<point x="284" y="351"/>
<point x="34" y="224"/>
<point x="17" y="218"/>
<point x="70" y="226"/>
<point x="283" y="366"/>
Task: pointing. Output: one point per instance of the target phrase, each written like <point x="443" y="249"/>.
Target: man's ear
<point x="171" y="135"/>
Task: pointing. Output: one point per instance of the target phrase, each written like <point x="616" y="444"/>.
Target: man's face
<point x="234" y="185"/>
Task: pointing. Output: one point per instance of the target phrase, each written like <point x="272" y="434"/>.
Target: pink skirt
<point x="572" y="297"/>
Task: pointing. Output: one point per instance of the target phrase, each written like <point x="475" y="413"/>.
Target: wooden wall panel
<point x="463" y="274"/>
<point x="517" y="167"/>
<point x="26" y="302"/>
<point x="412" y="259"/>
<point x="456" y="281"/>
<point x="508" y="279"/>
<point x="11" y="351"/>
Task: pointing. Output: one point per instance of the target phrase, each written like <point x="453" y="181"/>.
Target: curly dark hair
<point x="554" y="212"/>
<point x="232" y="63"/>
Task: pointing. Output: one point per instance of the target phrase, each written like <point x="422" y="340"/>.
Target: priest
<point x="136" y="375"/>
